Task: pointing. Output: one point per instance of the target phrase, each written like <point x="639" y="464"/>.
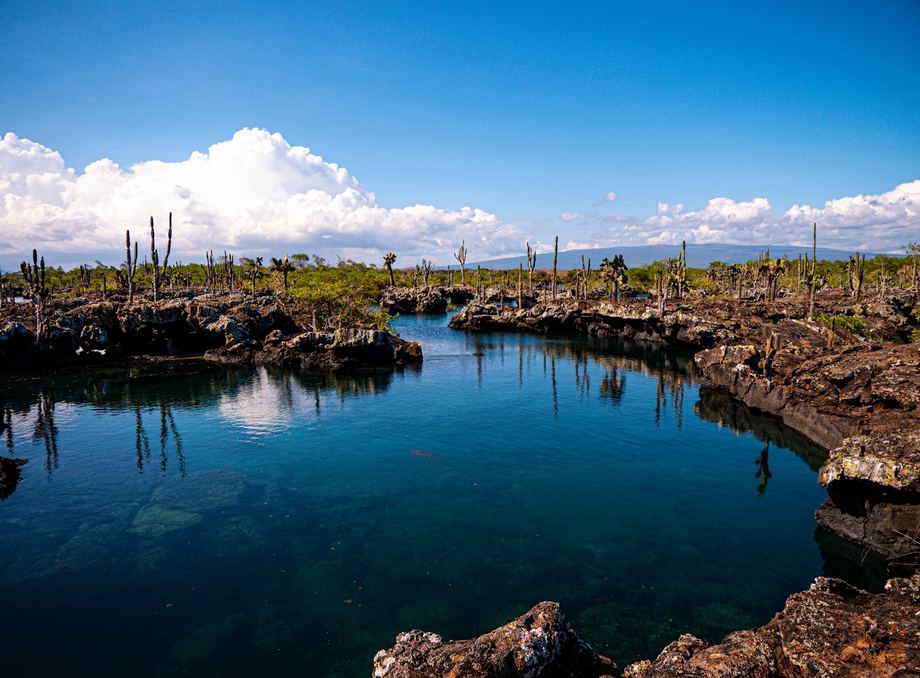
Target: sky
<point x="357" y="128"/>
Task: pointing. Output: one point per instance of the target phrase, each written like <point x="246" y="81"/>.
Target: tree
<point x="300" y="260"/>
<point x="388" y="262"/>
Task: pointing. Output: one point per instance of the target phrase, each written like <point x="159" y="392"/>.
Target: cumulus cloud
<point x="572" y="216"/>
<point x="883" y="222"/>
<point x="254" y="194"/>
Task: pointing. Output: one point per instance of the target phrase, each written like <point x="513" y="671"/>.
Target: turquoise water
<point x="200" y="521"/>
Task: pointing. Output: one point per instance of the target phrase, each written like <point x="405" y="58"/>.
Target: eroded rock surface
<point x="539" y="643"/>
<point x="832" y="629"/>
<point x="226" y="329"/>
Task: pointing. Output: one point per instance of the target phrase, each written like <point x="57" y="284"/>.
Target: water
<point x="201" y="521"/>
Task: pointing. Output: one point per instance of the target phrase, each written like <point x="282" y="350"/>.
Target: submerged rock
<point x="539" y="643"/>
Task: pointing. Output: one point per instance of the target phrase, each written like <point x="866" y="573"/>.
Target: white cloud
<point x="610" y="197"/>
<point x="258" y="195"/>
<point x="882" y="222"/>
<point x="254" y="194"/>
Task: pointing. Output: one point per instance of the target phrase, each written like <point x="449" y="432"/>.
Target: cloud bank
<point x="254" y="194"/>
<point x="884" y="222"/>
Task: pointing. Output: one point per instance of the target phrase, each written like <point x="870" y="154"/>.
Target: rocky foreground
<point x="224" y="329"/>
<point x="832" y="629"/>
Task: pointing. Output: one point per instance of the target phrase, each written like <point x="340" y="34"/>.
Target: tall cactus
<point x="531" y="265"/>
<point x="459" y="255"/>
<point x="555" y="259"/>
<point x="155" y="257"/>
<point x="813" y="278"/>
<point x="860" y="269"/>
<point x="34" y="275"/>
<point x="130" y="266"/>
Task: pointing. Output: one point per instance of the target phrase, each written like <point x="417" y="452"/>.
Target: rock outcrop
<point x="322" y="351"/>
<point x="832" y="629"/>
<point x="539" y="643"/>
<point x="249" y="330"/>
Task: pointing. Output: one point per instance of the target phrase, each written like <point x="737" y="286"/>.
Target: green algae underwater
<point x="194" y="520"/>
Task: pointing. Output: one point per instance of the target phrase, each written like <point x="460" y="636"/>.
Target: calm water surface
<point x="216" y="522"/>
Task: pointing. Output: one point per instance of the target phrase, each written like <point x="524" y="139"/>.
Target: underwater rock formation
<point x="539" y="643"/>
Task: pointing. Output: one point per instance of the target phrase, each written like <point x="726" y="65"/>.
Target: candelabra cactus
<point x="860" y="269"/>
<point x="811" y="279"/>
<point x="555" y="259"/>
<point x="771" y="270"/>
<point x="531" y="265"/>
<point x="130" y="266"/>
<point x="616" y="272"/>
<point x="766" y="360"/>
<point x="85" y="277"/>
<point x="255" y="273"/>
<point x="460" y="255"/>
<point x="34" y="275"/>
<point x="155" y="257"/>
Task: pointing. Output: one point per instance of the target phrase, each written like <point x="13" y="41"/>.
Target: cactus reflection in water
<point x="300" y="493"/>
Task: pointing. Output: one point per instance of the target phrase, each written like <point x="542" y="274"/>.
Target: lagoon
<point x="192" y="520"/>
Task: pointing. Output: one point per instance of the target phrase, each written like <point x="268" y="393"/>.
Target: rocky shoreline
<point x="832" y="629"/>
<point x="232" y="330"/>
<point x="854" y="393"/>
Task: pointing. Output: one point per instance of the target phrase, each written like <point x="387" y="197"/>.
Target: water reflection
<point x="763" y="468"/>
<point x="44" y="430"/>
<point x="722" y="409"/>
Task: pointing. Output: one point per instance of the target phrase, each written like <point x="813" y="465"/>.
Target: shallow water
<point x="200" y="521"/>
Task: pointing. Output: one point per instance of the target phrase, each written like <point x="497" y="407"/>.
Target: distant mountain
<point x="698" y="256"/>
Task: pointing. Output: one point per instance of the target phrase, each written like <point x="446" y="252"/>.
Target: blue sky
<point x="522" y="111"/>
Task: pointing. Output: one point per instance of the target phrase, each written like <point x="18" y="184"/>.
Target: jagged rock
<point x="318" y="351"/>
<point x="411" y="300"/>
<point x="227" y="333"/>
<point x="832" y="629"/>
<point x="540" y="643"/>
